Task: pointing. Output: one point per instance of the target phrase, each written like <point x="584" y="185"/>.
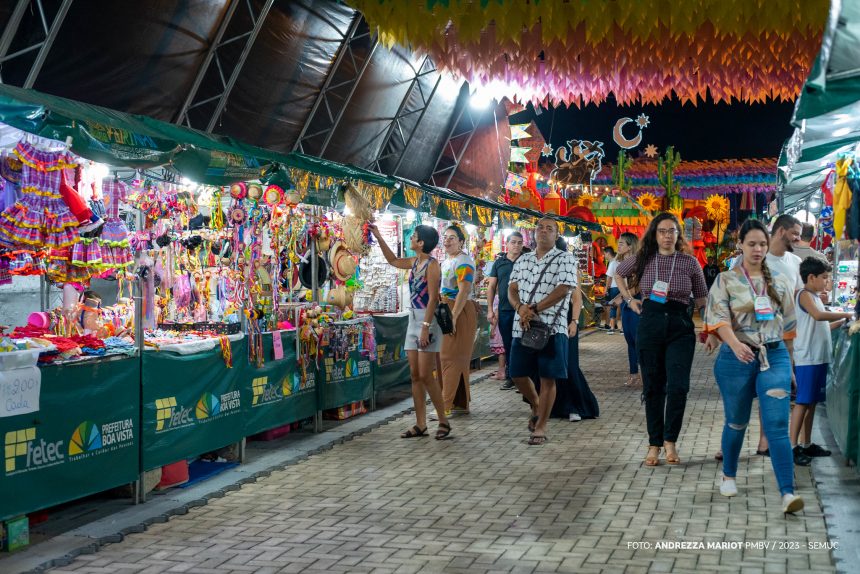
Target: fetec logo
<point x="85" y="438"/>
<point x="263" y="392"/>
<point x="169" y="415"/>
<point x="207" y="406"/>
<point x="22" y="443"/>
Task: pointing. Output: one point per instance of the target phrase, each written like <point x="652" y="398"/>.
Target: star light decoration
<point x="643" y="121"/>
<point x="651" y="151"/>
<point x="546" y="150"/>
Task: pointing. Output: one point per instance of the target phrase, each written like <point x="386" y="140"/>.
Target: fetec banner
<point x="192" y="404"/>
<point x="83" y="439"/>
<point x="344" y="381"/>
<point x="392" y="365"/>
<point x="274" y="394"/>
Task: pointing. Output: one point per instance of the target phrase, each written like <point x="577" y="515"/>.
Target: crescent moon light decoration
<point x="618" y="136"/>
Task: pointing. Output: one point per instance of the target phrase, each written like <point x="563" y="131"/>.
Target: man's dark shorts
<point x="550" y="363"/>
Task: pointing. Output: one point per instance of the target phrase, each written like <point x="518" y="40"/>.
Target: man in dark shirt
<point x="711" y="270"/>
<point x="500" y="275"/>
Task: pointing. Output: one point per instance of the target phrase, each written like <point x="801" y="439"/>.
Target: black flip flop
<point x="415" y="431"/>
<point x="538" y="440"/>
<point x="443" y="431"/>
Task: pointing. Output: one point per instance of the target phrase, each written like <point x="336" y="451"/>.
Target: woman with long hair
<point x="667" y="276"/>
<point x="423" y="335"/>
<point x="628" y="246"/>
<point x="753" y="313"/>
<point x="458" y="274"/>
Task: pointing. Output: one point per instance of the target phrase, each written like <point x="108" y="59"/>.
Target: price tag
<point x="20" y="390"/>
<point x="277" y="345"/>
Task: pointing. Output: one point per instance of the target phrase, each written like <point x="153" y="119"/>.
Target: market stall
<point x="210" y="292"/>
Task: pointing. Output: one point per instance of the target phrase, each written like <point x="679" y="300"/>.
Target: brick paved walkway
<point x="487" y="502"/>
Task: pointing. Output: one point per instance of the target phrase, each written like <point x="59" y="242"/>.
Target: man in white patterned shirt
<point x="539" y="288"/>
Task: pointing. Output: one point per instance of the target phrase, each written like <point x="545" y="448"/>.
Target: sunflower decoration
<point x="649" y="202"/>
<point x="586" y="200"/>
<point x="718" y="208"/>
<point x="679" y="215"/>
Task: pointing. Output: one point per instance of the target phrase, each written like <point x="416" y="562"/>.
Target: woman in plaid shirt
<point x="667" y="277"/>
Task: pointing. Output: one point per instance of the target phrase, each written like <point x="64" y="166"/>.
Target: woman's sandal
<point x="443" y="431"/>
<point x="672" y="457"/>
<point x="415" y="431"/>
<point x="538" y="440"/>
<point x="653" y="458"/>
<point x="533" y="423"/>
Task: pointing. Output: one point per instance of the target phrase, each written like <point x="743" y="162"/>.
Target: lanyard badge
<point x="660" y="289"/>
<point x="762" y="304"/>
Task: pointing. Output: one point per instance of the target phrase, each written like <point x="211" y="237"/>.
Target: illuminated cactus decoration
<point x="666" y="174"/>
<point x="619" y="173"/>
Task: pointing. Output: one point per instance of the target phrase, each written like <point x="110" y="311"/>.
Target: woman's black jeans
<point x="665" y="343"/>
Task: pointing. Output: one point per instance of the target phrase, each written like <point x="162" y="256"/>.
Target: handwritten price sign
<point x="19" y="391"/>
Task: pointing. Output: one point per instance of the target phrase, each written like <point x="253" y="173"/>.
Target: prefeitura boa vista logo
<point x="25" y="450"/>
<point x="170" y="415"/>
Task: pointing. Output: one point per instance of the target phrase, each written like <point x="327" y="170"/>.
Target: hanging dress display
<point x="40" y="218"/>
<point x="115" y="246"/>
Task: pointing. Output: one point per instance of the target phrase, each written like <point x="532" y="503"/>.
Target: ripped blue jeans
<point x="739" y="384"/>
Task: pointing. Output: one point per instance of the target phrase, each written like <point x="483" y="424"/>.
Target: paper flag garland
<point x="639" y="50"/>
<point x="518" y="154"/>
<point x="518" y="131"/>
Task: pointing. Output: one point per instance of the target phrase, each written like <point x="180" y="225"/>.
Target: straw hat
<point x="340" y="297"/>
<point x="238" y="190"/>
<point x="255" y="191"/>
<point x="341" y="261"/>
<point x="358" y="205"/>
<point x="353" y="235"/>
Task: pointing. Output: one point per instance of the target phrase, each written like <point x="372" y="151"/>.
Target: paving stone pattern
<point x="485" y="501"/>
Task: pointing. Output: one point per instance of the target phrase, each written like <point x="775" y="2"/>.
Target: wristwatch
<point x="425" y="324"/>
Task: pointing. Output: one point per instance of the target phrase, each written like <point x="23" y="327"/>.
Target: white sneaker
<point x="728" y="487"/>
<point x="791" y="503"/>
<point x="573" y="417"/>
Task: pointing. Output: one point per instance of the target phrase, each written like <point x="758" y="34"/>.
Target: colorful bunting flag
<point x="518" y="154"/>
<point x="514" y="183"/>
<point x="519" y="131"/>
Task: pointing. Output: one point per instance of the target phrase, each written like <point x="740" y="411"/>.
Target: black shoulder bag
<point x="539" y="333"/>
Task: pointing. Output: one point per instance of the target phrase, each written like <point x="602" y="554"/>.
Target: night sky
<point x="706" y="131"/>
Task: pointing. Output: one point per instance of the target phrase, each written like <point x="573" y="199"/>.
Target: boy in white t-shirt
<point x="813" y="351"/>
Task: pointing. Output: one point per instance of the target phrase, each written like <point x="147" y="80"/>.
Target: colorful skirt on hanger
<point x="40" y="217"/>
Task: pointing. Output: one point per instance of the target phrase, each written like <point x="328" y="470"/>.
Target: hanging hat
<point x="255" y="191"/>
<point x="341" y="261"/>
<point x="238" y="215"/>
<point x="340" y="297"/>
<point x="273" y="196"/>
<point x="305" y="270"/>
<point x="10" y="168"/>
<point x="238" y="190"/>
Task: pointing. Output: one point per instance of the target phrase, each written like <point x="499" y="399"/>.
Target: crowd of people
<point x="764" y="316"/>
